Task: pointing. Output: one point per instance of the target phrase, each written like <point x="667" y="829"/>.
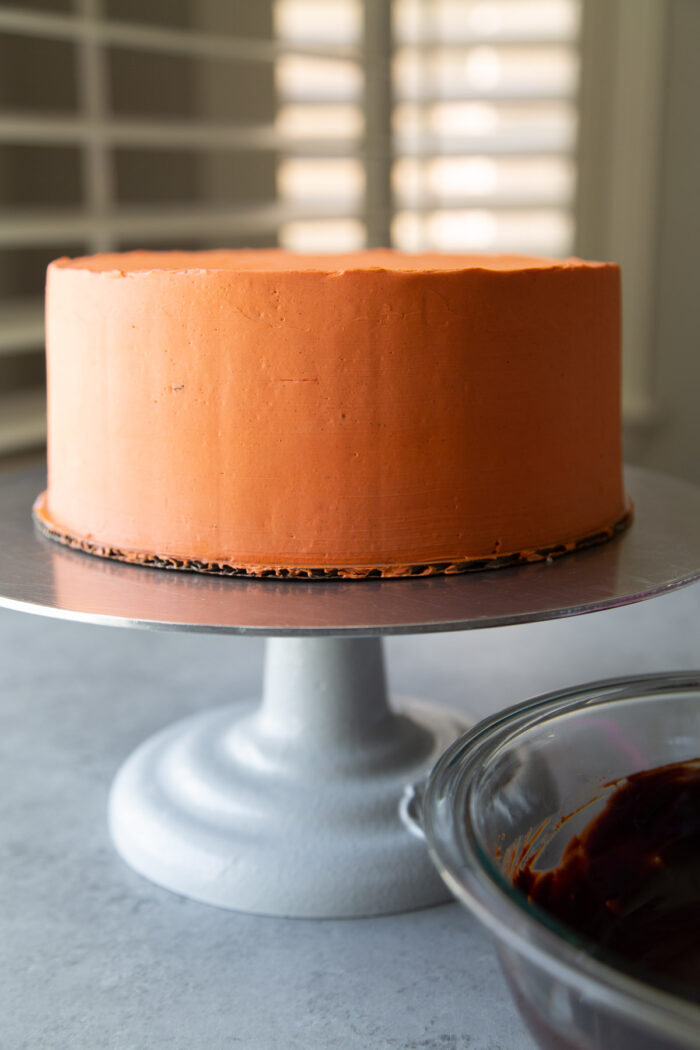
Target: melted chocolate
<point x="630" y="881"/>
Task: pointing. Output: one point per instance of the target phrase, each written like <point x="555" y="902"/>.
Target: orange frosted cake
<point x="373" y="414"/>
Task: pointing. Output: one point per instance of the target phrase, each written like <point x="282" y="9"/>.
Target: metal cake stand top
<point x="660" y="552"/>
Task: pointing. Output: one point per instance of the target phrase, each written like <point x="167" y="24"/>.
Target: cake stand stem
<point x="293" y="807"/>
<point x="325" y="699"/>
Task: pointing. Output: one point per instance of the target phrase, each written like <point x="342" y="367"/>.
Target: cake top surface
<point x="273" y="260"/>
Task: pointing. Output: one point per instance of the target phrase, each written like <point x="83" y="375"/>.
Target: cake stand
<point x="297" y="805"/>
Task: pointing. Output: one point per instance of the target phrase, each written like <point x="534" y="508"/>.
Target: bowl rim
<point x="504" y="910"/>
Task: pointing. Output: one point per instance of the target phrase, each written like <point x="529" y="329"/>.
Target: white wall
<point x="674" y="444"/>
<point x="639" y="177"/>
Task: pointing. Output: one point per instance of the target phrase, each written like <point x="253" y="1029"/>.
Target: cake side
<point x="375" y="417"/>
<point x="153" y="559"/>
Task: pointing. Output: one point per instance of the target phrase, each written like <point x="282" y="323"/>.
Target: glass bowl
<point x="500" y="794"/>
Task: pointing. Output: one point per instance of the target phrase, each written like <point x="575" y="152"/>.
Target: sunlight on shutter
<point x="483" y="126"/>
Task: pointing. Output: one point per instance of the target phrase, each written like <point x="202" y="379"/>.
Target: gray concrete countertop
<point x="92" y="957"/>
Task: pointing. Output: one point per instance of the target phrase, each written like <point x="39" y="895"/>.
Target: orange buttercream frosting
<point x="265" y="412"/>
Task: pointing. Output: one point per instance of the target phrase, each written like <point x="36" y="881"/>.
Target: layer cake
<point x="373" y="414"/>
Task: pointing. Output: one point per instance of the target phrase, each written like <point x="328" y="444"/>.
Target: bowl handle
<point x="411" y="808"/>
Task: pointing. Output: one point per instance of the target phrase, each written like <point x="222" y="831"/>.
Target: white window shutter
<point x="468" y="135"/>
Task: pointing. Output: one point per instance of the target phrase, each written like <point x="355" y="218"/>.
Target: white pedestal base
<point x="294" y="808"/>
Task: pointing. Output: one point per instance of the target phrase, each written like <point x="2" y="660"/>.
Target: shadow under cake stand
<point x="294" y="806"/>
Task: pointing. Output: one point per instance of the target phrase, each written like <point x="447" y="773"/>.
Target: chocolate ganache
<point x="630" y="881"/>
